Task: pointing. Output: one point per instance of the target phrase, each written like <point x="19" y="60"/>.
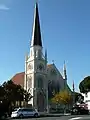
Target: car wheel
<point x="21" y="116"/>
<point x="36" y="115"/>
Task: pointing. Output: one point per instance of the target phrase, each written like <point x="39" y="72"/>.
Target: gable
<point x="52" y="70"/>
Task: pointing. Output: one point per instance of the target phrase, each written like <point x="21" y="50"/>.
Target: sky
<point x="65" y="29"/>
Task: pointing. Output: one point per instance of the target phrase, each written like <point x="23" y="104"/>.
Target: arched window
<point x="40" y="82"/>
<point x="29" y="82"/>
<point x="58" y="87"/>
<point x="38" y="54"/>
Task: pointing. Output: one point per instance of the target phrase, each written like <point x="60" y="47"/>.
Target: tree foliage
<point x="84" y="85"/>
<point x="10" y="93"/>
<point x="78" y="97"/>
<point x="63" y="97"/>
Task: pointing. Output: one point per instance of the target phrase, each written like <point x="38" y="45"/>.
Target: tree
<point x="10" y="93"/>
<point x="84" y="85"/>
<point x="62" y="97"/>
<point x="13" y="92"/>
<point x="78" y="97"/>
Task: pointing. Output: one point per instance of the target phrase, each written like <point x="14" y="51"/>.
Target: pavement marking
<point x="76" y="118"/>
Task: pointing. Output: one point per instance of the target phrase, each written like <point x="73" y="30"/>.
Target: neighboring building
<point x="42" y="80"/>
<point x="87" y="99"/>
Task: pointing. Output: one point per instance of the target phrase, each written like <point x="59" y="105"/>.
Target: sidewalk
<point x="53" y="115"/>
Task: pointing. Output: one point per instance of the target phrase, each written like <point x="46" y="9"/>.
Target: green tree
<point x="10" y="93"/>
<point x="78" y="97"/>
<point x="63" y="97"/>
<point x="13" y="92"/>
<point x="84" y="85"/>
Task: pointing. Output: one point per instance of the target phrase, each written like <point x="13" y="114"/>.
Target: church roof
<point x="36" y="35"/>
<point x="19" y="79"/>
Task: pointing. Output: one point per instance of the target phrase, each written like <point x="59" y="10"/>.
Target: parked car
<point x="78" y="109"/>
<point x="24" y="112"/>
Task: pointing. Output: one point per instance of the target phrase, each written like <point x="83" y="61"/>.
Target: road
<point x="72" y="117"/>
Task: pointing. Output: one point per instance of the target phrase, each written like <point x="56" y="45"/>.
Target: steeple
<point x="64" y="66"/>
<point x="64" y="71"/>
<point x="46" y="55"/>
<point x="36" y="34"/>
<point x="73" y="87"/>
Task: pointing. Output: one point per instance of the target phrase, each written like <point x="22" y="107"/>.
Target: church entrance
<point x="40" y="102"/>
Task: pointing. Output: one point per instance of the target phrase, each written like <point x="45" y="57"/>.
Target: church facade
<point x="42" y="80"/>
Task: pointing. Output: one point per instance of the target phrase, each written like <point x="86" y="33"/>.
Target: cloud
<point x="3" y="7"/>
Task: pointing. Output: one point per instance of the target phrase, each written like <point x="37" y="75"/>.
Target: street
<point x="71" y="117"/>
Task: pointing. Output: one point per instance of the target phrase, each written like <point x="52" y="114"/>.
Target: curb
<point x="54" y="115"/>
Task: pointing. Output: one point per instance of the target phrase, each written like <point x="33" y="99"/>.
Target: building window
<point x="29" y="82"/>
<point x="86" y="95"/>
<point x="40" y="67"/>
<point x="40" y="82"/>
<point x="58" y="87"/>
<point x="38" y="54"/>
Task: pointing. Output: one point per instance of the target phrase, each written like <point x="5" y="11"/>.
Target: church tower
<point x="36" y="68"/>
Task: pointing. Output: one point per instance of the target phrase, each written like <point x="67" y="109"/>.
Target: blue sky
<point x="65" y="27"/>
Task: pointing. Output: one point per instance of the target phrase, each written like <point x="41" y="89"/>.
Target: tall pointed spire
<point x="64" y="66"/>
<point x="46" y="56"/>
<point x="36" y="35"/>
<point x="73" y="86"/>
<point x="64" y="71"/>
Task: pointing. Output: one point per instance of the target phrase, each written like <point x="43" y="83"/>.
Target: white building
<point x="42" y="80"/>
<point x="87" y="99"/>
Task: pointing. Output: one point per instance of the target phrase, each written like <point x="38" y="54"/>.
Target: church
<point x="41" y="79"/>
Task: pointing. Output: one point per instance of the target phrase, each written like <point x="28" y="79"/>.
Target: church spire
<point x="36" y="35"/>
<point x="64" y="66"/>
<point x="46" y="56"/>
<point x="64" y="71"/>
